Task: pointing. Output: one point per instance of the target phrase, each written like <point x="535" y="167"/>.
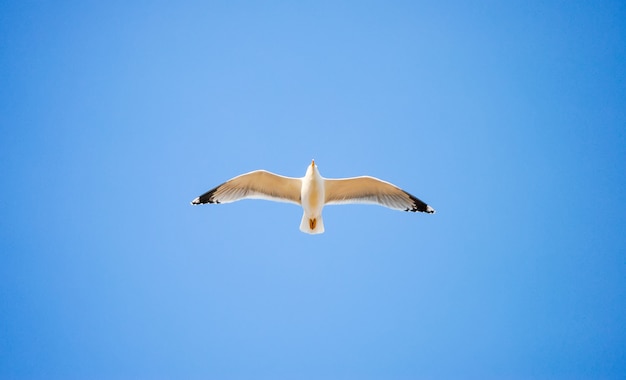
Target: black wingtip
<point x="420" y="206"/>
<point x="206" y="198"/>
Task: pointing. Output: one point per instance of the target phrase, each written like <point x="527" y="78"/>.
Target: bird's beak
<point x="312" y="163"/>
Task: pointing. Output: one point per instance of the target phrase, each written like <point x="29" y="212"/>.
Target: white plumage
<point x="313" y="192"/>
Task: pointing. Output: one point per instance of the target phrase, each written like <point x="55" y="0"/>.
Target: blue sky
<point x="509" y="118"/>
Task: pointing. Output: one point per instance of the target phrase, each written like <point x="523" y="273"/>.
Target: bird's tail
<point x="312" y="225"/>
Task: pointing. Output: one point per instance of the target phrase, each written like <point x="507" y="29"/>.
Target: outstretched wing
<point x="259" y="184"/>
<point x="372" y="190"/>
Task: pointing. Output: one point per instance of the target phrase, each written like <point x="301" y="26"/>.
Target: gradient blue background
<point x="509" y="118"/>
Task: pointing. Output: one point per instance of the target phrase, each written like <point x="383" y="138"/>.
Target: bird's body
<point x="312" y="201"/>
<point x="313" y="192"/>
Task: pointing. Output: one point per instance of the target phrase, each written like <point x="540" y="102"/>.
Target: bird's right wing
<point x="259" y="184"/>
<point x="372" y="190"/>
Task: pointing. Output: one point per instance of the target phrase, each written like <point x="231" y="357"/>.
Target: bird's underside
<point x="313" y="192"/>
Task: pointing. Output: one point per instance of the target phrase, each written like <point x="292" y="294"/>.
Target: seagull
<point x="313" y="192"/>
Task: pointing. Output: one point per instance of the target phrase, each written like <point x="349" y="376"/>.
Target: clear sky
<point x="508" y="117"/>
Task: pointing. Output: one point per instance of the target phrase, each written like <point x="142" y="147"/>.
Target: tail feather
<point x="312" y="225"/>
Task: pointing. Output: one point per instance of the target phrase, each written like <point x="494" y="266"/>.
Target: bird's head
<point x="312" y="169"/>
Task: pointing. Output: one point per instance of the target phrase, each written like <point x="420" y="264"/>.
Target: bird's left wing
<point x="259" y="184"/>
<point x="372" y="190"/>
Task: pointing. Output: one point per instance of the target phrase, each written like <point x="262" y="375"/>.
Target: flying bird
<point x="313" y="192"/>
